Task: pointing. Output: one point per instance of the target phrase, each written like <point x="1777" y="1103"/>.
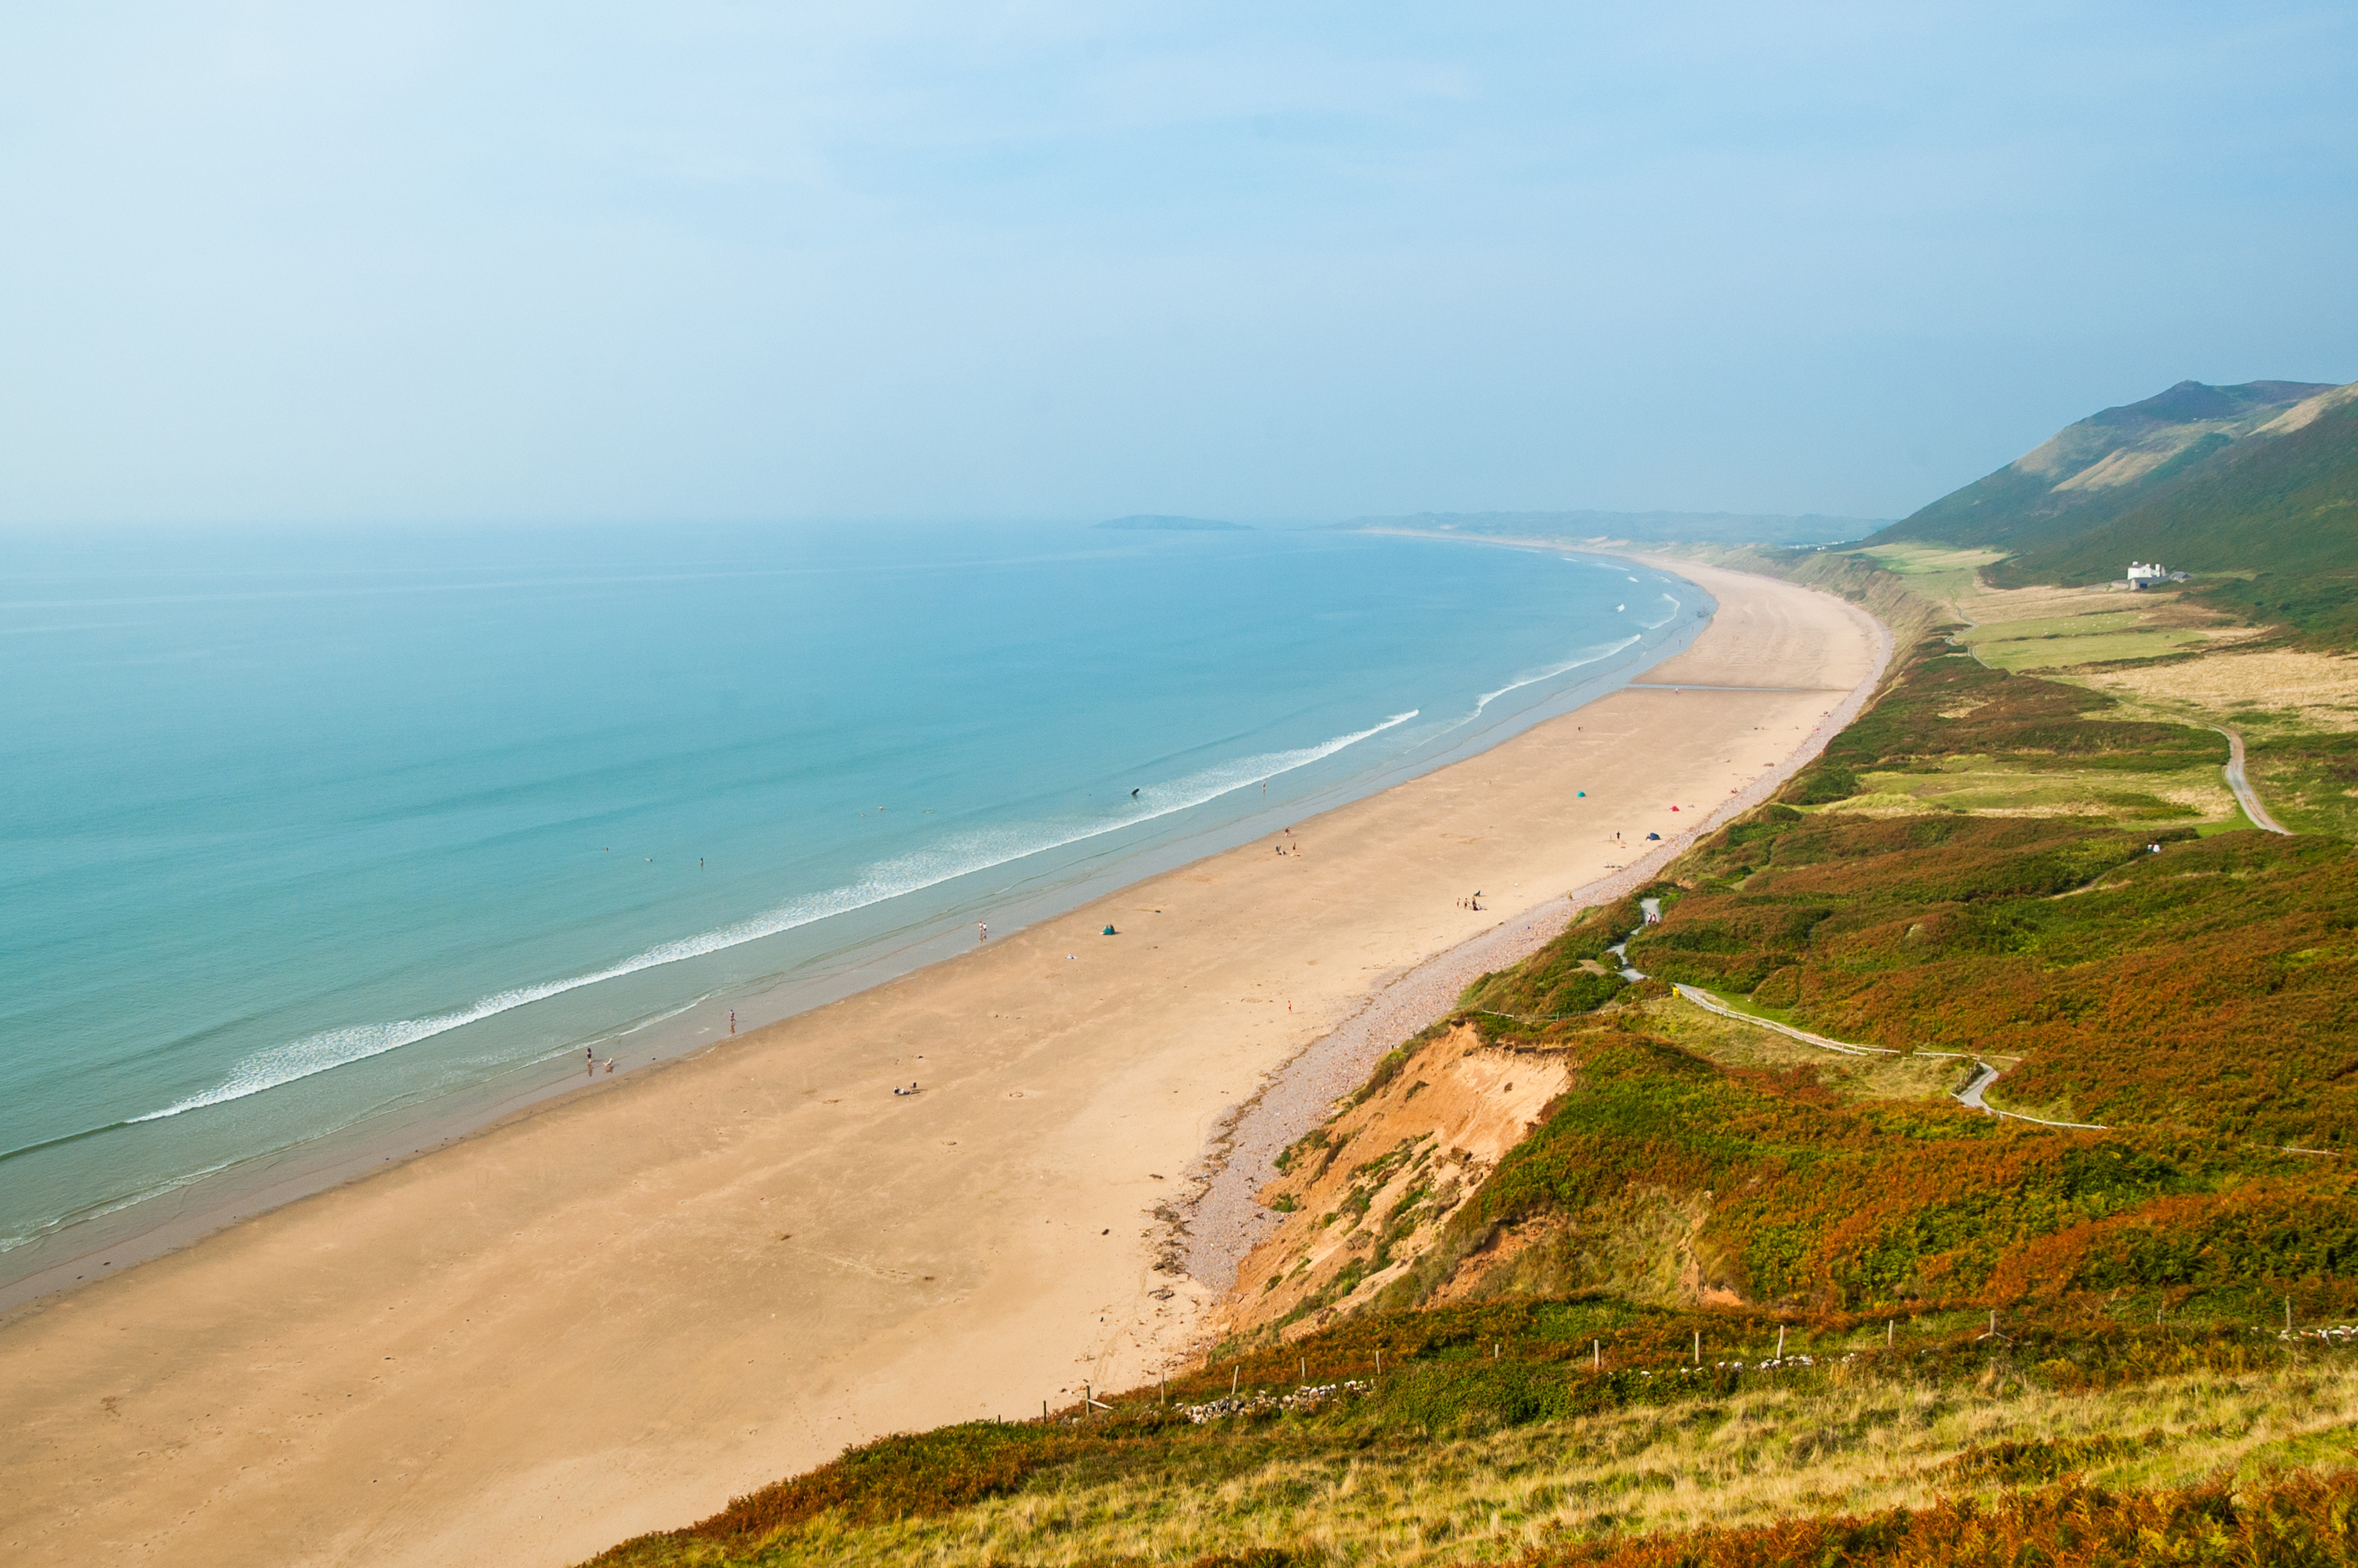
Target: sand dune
<point x="610" y="1315"/>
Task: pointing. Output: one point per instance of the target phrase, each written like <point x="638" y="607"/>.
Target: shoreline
<point x="142" y="1231"/>
<point x="612" y="1314"/>
<point x="1220" y="1222"/>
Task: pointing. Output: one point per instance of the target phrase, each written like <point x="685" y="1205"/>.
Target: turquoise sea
<point x="311" y="833"/>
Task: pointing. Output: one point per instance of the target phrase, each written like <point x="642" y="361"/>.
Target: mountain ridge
<point x="2098" y="468"/>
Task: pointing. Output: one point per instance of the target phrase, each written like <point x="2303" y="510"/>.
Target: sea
<point x="322" y="845"/>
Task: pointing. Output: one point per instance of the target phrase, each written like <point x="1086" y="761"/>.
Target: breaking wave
<point x="959" y="855"/>
<point x="1585" y="656"/>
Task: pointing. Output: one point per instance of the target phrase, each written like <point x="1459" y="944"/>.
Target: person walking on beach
<point x="589" y="1062"/>
<point x="982" y="931"/>
<point x="732" y="1021"/>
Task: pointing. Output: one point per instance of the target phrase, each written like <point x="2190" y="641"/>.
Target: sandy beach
<point x="611" y="1314"/>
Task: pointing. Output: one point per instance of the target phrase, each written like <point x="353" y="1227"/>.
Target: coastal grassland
<point x="2175" y="657"/>
<point x="1956" y="733"/>
<point x="1453" y="1457"/>
<point x="2056" y="650"/>
<point x="1663" y="1176"/>
<point x="2261" y="690"/>
<point x="2203" y="985"/>
<point x="1942" y="705"/>
<point x="1761" y="1185"/>
<point x="1733" y="1045"/>
<point x="1940" y="573"/>
<point x="2140" y="974"/>
<point x="2308" y="779"/>
<point x="2064" y="628"/>
<point x="2295" y="708"/>
<point x="2005" y="787"/>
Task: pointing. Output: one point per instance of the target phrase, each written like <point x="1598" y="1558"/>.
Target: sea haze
<point x="306" y="833"/>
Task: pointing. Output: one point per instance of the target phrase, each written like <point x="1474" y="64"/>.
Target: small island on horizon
<point x="1152" y="522"/>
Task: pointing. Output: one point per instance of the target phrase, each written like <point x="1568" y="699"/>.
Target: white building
<point x="2151" y="573"/>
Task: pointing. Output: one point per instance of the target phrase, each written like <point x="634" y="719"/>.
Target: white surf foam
<point x="960" y="856"/>
<point x="1585" y="656"/>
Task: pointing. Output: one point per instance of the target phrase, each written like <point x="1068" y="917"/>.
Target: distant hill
<point x="2282" y="504"/>
<point x="1703" y="527"/>
<point x="2091" y="472"/>
<point x="1149" y="522"/>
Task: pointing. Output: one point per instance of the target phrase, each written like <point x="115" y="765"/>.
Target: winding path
<point x="2241" y="785"/>
<point x="1971" y="1095"/>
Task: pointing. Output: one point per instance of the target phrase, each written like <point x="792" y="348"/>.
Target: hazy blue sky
<point x="295" y="261"/>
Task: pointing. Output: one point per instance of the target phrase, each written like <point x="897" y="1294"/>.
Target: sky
<point x="329" y="263"/>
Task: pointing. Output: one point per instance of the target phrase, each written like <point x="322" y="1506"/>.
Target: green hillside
<point x="2280" y="511"/>
<point x="2090" y="473"/>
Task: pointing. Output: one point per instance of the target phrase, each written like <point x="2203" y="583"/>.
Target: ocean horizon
<point x="311" y="835"/>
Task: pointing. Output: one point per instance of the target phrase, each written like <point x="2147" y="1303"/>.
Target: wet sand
<point x="612" y="1314"/>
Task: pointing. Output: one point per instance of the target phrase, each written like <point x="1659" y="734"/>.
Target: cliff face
<point x="1370" y="1193"/>
<point x="1369" y="1199"/>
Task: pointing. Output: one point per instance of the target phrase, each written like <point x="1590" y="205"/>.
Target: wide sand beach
<point x="610" y="1315"/>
